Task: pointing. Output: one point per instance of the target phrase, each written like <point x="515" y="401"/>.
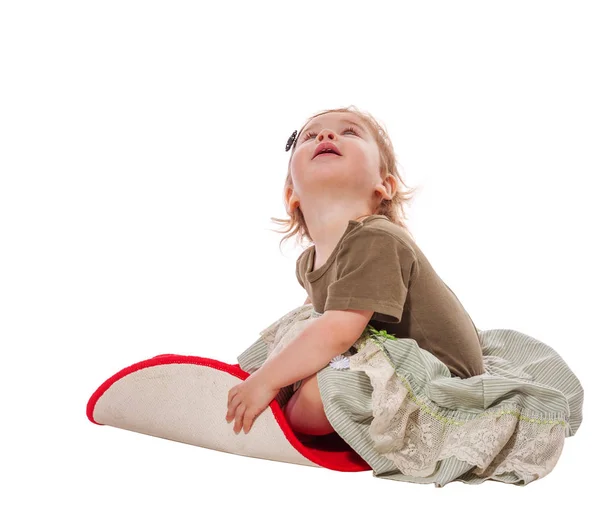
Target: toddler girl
<point x="382" y="357"/>
<point x="364" y="268"/>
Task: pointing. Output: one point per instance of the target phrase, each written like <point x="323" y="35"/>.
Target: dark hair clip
<point x="291" y="140"/>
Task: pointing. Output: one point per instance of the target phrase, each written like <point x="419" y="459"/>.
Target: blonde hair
<point x="393" y="209"/>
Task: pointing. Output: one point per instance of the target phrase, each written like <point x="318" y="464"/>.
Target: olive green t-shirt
<point x="377" y="266"/>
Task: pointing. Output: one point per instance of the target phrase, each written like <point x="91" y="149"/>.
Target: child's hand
<point x="247" y="400"/>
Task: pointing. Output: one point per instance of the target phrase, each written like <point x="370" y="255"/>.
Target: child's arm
<point x="325" y="337"/>
<point x="309" y="352"/>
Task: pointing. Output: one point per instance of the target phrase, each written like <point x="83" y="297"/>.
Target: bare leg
<point x="304" y="410"/>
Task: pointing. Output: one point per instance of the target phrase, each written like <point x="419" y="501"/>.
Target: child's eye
<point x="312" y="134"/>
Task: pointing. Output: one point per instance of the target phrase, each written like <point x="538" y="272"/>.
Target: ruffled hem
<point x="417" y="434"/>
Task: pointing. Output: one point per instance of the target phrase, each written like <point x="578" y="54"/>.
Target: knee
<point x="304" y="410"/>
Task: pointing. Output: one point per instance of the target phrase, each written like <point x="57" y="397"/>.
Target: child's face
<point x="355" y="170"/>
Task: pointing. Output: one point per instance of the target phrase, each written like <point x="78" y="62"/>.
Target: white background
<point x="142" y="157"/>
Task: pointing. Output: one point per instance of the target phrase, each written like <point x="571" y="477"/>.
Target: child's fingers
<point x="230" y="394"/>
<point x="231" y="408"/>
<point x="248" y="421"/>
<point x="239" y="418"/>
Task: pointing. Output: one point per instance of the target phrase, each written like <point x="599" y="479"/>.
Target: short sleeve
<point x="374" y="270"/>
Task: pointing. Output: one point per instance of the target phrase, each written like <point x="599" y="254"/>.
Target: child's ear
<point x="291" y="200"/>
<point x="387" y="189"/>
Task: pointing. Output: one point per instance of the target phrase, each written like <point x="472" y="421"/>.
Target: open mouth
<point x="326" y="148"/>
<point x="327" y="153"/>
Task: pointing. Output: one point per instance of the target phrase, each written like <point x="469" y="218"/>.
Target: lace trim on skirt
<point x="409" y="430"/>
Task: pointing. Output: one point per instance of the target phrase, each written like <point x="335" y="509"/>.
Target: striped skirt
<point x="399" y="407"/>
